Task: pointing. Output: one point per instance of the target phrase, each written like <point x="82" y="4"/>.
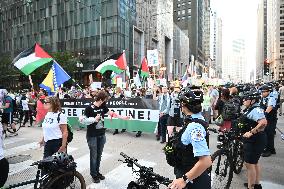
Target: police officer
<point x="254" y="123"/>
<point x="196" y="156"/>
<point x="268" y="104"/>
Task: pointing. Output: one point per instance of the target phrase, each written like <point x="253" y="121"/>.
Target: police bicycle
<point x="228" y="159"/>
<point x="147" y="179"/>
<point x="55" y="172"/>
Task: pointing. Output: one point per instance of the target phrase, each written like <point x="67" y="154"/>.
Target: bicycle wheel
<point x="222" y="172"/>
<point x="73" y="180"/>
<point x="17" y="121"/>
<point x="238" y="157"/>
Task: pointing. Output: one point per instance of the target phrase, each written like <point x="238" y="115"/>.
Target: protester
<point x="96" y="132"/>
<point x="225" y="97"/>
<point x="40" y="110"/>
<point x="54" y="127"/>
<point x="7" y="116"/>
<point x="175" y="116"/>
<point x="164" y="107"/>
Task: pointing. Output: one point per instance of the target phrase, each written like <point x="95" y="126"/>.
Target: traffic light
<point x="266" y="67"/>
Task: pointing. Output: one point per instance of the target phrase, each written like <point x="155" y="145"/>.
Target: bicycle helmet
<point x="62" y="158"/>
<point x="191" y="97"/>
<point x="266" y="88"/>
<point x="251" y="95"/>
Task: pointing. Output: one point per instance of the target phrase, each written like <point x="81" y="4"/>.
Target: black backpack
<point x="171" y="149"/>
<point x="69" y="129"/>
<point x="231" y="109"/>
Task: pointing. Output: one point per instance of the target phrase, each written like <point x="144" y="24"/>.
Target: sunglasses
<point x="46" y="102"/>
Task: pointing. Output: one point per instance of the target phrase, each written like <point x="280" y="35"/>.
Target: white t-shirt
<point x="25" y="104"/>
<point x="50" y="126"/>
<point x="1" y="142"/>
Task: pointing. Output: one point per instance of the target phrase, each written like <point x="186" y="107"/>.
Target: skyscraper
<point x="189" y="15"/>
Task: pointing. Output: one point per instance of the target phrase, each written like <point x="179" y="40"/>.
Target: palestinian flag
<point x="116" y="63"/>
<point x="31" y="59"/>
<point x="144" y="69"/>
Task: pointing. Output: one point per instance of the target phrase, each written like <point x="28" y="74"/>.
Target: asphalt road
<point x="146" y="149"/>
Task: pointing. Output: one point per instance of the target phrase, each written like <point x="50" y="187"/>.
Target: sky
<point x="239" y="21"/>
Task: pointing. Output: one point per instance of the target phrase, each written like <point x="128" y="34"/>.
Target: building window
<point x="189" y="16"/>
<point x="189" y="11"/>
<point x="178" y="12"/>
<point x="178" y="5"/>
<point x="182" y="4"/>
<point x="189" y="2"/>
<point x="183" y="18"/>
<point x="178" y="18"/>
<point x="183" y="12"/>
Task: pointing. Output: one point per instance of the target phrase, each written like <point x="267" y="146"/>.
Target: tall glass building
<point x="94" y="29"/>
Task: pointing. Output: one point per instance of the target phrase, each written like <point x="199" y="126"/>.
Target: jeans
<point x="162" y="126"/>
<point x="51" y="147"/>
<point x="96" y="146"/>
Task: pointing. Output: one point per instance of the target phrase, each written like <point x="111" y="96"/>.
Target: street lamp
<point x="80" y="66"/>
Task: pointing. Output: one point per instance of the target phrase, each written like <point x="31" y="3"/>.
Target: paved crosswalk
<point x="118" y="175"/>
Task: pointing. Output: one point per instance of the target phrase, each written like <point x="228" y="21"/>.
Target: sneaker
<point x="273" y="151"/>
<point x="115" y="132"/>
<point x="256" y="186"/>
<point x="14" y="134"/>
<point x="123" y="130"/>
<point x="266" y="154"/>
<point x="157" y="137"/>
<point x="96" y="179"/>
<point x="101" y="177"/>
<point x="138" y="134"/>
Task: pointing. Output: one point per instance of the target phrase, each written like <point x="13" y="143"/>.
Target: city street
<point x="146" y="149"/>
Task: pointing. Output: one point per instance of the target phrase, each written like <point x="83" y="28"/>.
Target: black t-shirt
<point x="93" y="111"/>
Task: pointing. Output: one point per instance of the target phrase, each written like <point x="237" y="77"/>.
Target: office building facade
<point x="95" y="29"/>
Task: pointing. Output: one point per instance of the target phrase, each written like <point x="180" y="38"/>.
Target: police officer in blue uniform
<point x="254" y="123"/>
<point x="192" y="172"/>
<point x="269" y="105"/>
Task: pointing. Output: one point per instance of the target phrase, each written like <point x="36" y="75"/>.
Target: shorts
<point x="175" y="121"/>
<point x="7" y="118"/>
<point x="253" y="147"/>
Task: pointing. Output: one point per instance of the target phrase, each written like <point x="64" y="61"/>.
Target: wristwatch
<point x="186" y="180"/>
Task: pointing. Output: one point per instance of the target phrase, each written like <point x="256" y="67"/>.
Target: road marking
<point x="12" y="140"/>
<point x="19" y="149"/>
<point x="83" y="163"/>
<point x="119" y="177"/>
<point x="266" y="184"/>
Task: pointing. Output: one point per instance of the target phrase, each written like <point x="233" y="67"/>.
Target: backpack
<point x="14" y="103"/>
<point x="231" y="109"/>
<point x="69" y="129"/>
<point x="171" y="149"/>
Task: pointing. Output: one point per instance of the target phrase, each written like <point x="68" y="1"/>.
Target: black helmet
<point x="251" y="95"/>
<point x="62" y="158"/>
<point x="191" y="97"/>
<point x="266" y="88"/>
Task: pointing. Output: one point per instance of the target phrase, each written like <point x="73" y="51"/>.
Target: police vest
<point x="179" y="155"/>
<point x="245" y="124"/>
<point x="264" y="104"/>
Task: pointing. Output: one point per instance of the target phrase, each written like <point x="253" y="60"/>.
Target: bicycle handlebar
<point x="158" y="177"/>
